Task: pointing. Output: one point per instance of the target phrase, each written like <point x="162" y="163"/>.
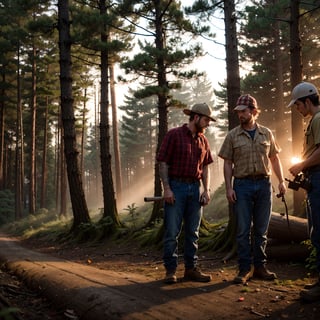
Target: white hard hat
<point x="301" y="90"/>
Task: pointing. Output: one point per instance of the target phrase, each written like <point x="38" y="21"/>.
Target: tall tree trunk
<point x="63" y="179"/>
<point x="2" y="151"/>
<point x="162" y="106"/>
<point x="233" y="91"/>
<point x="44" y="169"/>
<point x="109" y="201"/>
<point x="280" y="125"/>
<point x="97" y="178"/>
<point x="296" y="77"/>
<point x="116" y="147"/>
<point x="57" y="154"/>
<point x="8" y="164"/>
<point x="19" y="147"/>
<point x="78" y="201"/>
<point x="232" y="60"/>
<point x="32" y="177"/>
<point x="83" y="131"/>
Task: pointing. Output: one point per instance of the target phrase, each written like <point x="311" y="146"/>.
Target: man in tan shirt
<point x="248" y="150"/>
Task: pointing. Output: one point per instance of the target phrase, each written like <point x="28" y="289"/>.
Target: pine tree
<point x="167" y="53"/>
<point x="103" y="36"/>
<point x="79" y="205"/>
<point x="138" y="140"/>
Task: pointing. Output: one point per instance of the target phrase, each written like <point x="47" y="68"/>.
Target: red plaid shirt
<point x="184" y="154"/>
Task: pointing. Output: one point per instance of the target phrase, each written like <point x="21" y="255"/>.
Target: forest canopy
<point x="149" y="48"/>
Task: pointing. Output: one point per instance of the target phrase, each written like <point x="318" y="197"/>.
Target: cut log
<point x="285" y="240"/>
<point x="296" y="231"/>
<point x="287" y="251"/>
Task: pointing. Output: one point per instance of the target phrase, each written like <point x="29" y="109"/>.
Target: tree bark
<point x="233" y="92"/>
<point x="287" y="252"/>
<point x="285" y="240"/>
<point x="116" y="146"/>
<point x="162" y="106"/>
<point x="2" y="168"/>
<point x="78" y="201"/>
<point x="19" y="178"/>
<point x="296" y="230"/>
<point x="109" y="202"/>
<point x="32" y="174"/>
<point x="62" y="179"/>
<point x="281" y="134"/>
<point x="44" y="169"/>
<point x="296" y="77"/>
<point x="232" y="60"/>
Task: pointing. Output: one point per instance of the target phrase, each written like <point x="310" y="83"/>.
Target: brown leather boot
<point x="195" y="274"/>
<point x="263" y="273"/>
<point x="243" y="276"/>
<point x="170" y="277"/>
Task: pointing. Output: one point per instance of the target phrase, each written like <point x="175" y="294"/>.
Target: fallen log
<point x="285" y="240"/>
<point x="287" y="251"/>
<point x="295" y="231"/>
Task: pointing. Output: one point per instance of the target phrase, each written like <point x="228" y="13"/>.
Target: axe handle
<point x="150" y="199"/>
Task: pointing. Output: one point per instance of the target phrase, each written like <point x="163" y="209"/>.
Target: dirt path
<point x="109" y="282"/>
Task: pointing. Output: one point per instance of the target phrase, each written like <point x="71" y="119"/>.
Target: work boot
<point x="195" y="274"/>
<point x="243" y="276"/>
<point x="263" y="273"/>
<point x="312" y="294"/>
<point x="170" y="277"/>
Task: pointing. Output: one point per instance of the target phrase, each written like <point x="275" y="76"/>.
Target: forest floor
<point x="255" y="300"/>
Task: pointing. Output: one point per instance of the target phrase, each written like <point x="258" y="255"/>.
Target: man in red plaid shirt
<point x="183" y="160"/>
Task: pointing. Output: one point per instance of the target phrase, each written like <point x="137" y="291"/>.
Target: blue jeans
<point x="186" y="210"/>
<point x="253" y="213"/>
<point x="314" y="213"/>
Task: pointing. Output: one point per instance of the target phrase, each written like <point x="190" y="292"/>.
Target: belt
<point x="255" y="177"/>
<point x="185" y="179"/>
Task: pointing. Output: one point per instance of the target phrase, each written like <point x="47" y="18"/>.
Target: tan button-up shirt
<point x="312" y="136"/>
<point x="249" y="156"/>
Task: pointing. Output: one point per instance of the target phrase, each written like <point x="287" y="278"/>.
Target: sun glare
<point x="295" y="160"/>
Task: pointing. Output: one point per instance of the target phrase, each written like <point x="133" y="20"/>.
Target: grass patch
<point x="48" y="226"/>
<point x="41" y="225"/>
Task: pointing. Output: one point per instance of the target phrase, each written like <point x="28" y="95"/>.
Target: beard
<point x="244" y="120"/>
<point x="199" y="128"/>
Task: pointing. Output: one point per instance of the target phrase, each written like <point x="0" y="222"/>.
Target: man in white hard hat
<point x="183" y="158"/>
<point x="305" y="97"/>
